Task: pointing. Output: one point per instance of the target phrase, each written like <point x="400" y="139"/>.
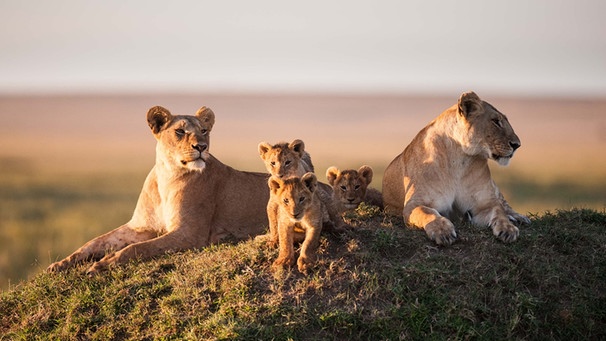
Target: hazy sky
<point x="551" y="47"/>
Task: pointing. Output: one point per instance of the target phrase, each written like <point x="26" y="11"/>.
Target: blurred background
<point x="356" y="80"/>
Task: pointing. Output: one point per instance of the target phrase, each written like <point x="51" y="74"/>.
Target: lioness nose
<point x="200" y="147"/>
<point x="514" y="144"/>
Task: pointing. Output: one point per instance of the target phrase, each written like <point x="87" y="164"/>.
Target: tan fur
<point x="350" y="187"/>
<point x="284" y="160"/>
<point x="189" y="199"/>
<point x="444" y="170"/>
<point x="299" y="218"/>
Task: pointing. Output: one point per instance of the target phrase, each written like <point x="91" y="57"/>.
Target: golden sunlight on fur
<point x="443" y="173"/>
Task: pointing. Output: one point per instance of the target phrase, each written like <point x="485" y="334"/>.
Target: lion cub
<point x="299" y="218"/>
<point x="284" y="160"/>
<point x="350" y="187"/>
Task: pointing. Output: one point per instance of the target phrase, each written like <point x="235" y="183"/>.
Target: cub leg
<point x="286" y="255"/>
<point x="96" y="248"/>
<point x="172" y="241"/>
<point x="437" y="227"/>
<point x="309" y="247"/>
<point x="271" y="238"/>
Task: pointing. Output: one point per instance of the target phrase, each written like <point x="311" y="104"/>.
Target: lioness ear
<point x="332" y="174"/>
<point x="366" y="173"/>
<point x="470" y="104"/>
<point x="207" y="116"/>
<point x="274" y="184"/>
<point x="157" y="118"/>
<point x="264" y="147"/>
<point x="297" y="146"/>
<point x="310" y="181"/>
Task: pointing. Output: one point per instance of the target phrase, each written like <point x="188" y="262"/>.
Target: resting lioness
<point x="299" y="218"/>
<point x="189" y="199"/>
<point x="444" y="170"/>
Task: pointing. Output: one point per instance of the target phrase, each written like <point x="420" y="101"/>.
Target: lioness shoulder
<point x="444" y="170"/>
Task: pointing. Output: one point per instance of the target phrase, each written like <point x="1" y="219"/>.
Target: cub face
<point x="486" y="131"/>
<point x="183" y="141"/>
<point x="349" y="186"/>
<point x="282" y="159"/>
<point x="294" y="195"/>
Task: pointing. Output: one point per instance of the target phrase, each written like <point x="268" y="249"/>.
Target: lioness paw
<point x="518" y="219"/>
<point x="57" y="266"/>
<point x="505" y="231"/>
<point x="441" y="231"/>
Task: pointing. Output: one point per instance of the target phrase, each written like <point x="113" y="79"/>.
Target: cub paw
<point x="441" y="231"/>
<point x="304" y="264"/>
<point x="283" y="262"/>
<point x="505" y="231"/>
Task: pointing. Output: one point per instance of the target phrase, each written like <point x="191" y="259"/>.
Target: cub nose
<point x="200" y="147"/>
<point x="514" y="144"/>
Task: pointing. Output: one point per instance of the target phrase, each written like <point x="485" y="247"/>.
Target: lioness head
<point x="282" y="159"/>
<point x="183" y="141"/>
<point x="349" y="186"/>
<point x="294" y="194"/>
<point x="485" y="131"/>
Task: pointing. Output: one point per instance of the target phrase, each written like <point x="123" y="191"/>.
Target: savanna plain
<point x="71" y="168"/>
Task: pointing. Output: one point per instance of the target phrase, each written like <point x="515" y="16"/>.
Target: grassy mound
<point x="378" y="281"/>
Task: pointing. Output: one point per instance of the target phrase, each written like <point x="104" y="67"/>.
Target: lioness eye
<point x="204" y="131"/>
<point x="497" y="122"/>
<point x="343" y="188"/>
<point x="180" y="132"/>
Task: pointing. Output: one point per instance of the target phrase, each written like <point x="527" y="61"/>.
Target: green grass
<point x="379" y="281"/>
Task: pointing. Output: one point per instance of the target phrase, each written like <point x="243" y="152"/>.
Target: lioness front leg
<point x="172" y="241"/>
<point x="438" y="228"/>
<point x="495" y="217"/>
<point x="96" y="248"/>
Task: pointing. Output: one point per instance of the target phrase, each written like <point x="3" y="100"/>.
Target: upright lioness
<point x="189" y="199"/>
<point x="444" y="170"/>
<point x="299" y="217"/>
<point x="350" y="187"/>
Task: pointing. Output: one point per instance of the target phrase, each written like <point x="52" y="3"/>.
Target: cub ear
<point x="332" y="174"/>
<point x="310" y="181"/>
<point x="470" y="104"/>
<point x="157" y="118"/>
<point x="264" y="147"/>
<point x="206" y="116"/>
<point x="298" y="147"/>
<point x="366" y="173"/>
<point x="274" y="184"/>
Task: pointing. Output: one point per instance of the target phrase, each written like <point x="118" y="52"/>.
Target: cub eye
<point x="273" y="164"/>
<point x="357" y="187"/>
<point x="287" y="162"/>
<point x="301" y="199"/>
<point x="286" y="201"/>
<point x="343" y="188"/>
<point x="179" y="132"/>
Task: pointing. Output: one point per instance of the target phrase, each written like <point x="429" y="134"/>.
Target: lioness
<point x="284" y="160"/>
<point x="444" y="170"/>
<point x="189" y="199"/>
<point x="350" y="187"/>
<point x="299" y="218"/>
